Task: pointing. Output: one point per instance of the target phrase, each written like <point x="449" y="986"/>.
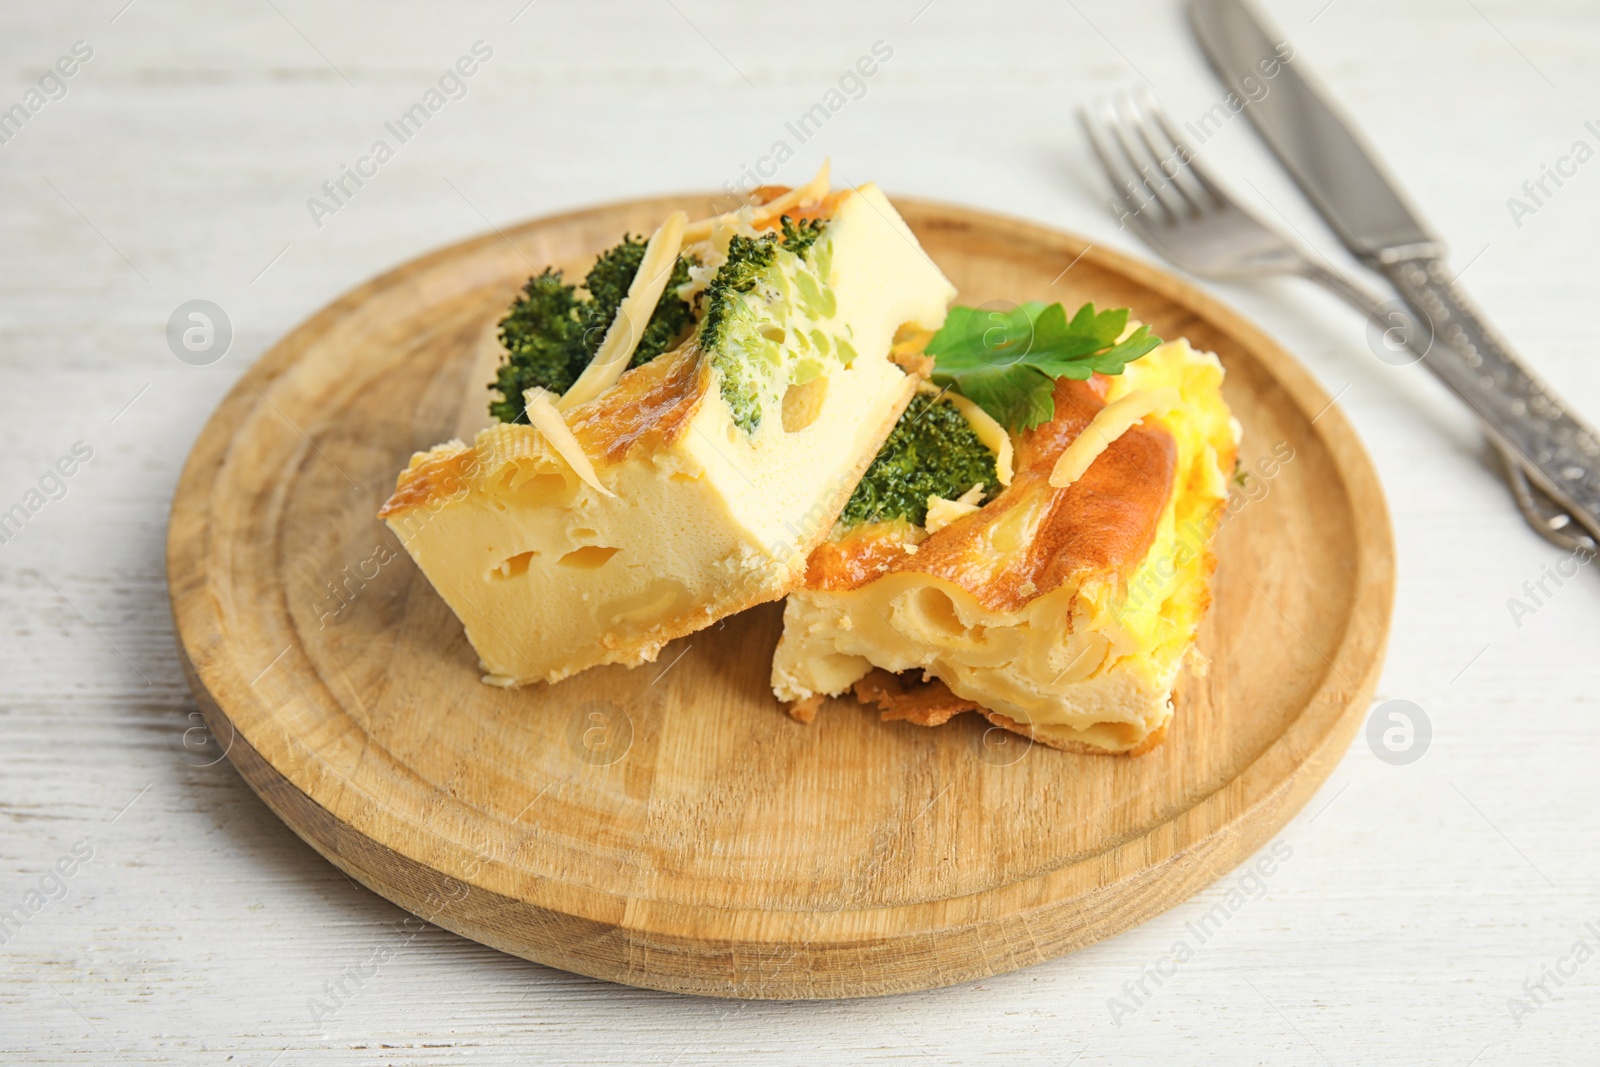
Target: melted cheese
<point x="801" y="196"/>
<point x="1109" y="423"/>
<point x="942" y="512"/>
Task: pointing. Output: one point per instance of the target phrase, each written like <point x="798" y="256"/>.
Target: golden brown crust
<point x="929" y="702"/>
<point x="911" y="361"/>
<point x="907" y="351"/>
<point x="650" y="405"/>
<point x="864" y="553"/>
<point x="904" y="699"/>
<point x="1103" y="523"/>
<point x="805" y="710"/>
<point x="431" y="475"/>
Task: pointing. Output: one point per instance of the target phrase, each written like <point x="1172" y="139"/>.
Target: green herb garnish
<point x="1006" y="362"/>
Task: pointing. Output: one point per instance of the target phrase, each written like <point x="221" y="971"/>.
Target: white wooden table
<point x="1424" y="904"/>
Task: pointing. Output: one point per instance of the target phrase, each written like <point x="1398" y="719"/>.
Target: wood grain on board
<point x="702" y="841"/>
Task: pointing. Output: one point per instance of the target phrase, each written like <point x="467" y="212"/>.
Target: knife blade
<point x="1354" y="194"/>
<point x="1324" y="155"/>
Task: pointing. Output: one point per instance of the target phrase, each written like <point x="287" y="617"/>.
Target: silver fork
<point x="1184" y="214"/>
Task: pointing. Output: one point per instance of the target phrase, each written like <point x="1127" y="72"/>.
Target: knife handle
<point x="1560" y="452"/>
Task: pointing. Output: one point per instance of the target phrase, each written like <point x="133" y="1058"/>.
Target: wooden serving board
<point x="670" y="826"/>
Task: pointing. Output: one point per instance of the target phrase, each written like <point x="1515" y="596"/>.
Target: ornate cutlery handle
<point x="1560" y="452"/>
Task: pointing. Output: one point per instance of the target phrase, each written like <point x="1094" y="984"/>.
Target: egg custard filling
<point x="1061" y="605"/>
<point x="675" y="442"/>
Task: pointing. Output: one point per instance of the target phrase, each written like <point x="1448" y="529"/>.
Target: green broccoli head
<point x="534" y="333"/>
<point x="798" y="237"/>
<point x="932" y="451"/>
<point x="607" y="284"/>
<point x="729" y="330"/>
<point x="765" y="310"/>
<point x="550" y="334"/>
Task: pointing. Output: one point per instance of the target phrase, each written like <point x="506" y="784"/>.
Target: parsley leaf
<point x="1006" y="361"/>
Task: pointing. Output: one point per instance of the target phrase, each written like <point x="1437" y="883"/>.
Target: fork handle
<point x="1560" y="453"/>
<point x="1550" y="520"/>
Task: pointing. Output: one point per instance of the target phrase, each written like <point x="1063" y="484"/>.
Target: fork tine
<point x="1171" y="154"/>
<point x="1191" y="162"/>
<point x="1124" y="177"/>
<point x="1152" y="177"/>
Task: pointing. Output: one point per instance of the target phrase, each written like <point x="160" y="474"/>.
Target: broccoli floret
<point x="607" y="283"/>
<point x="932" y="451"/>
<point x="748" y="258"/>
<point x="550" y="334"/>
<point x="798" y="237"/>
<point x="534" y="333"/>
<point x="731" y="329"/>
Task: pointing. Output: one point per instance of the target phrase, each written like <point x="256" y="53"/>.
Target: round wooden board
<point x="669" y="826"/>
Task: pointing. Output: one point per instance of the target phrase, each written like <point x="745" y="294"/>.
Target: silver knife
<point x="1350" y="189"/>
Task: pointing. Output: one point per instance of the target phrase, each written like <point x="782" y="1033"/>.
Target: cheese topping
<point x="942" y="512"/>
<point x="544" y="416"/>
<point x="626" y="330"/>
<point x="1108" y="424"/>
<point x="800" y="196"/>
